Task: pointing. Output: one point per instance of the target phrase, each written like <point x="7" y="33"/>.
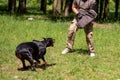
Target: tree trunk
<point x="54" y="8"/>
<point x="97" y="6"/>
<point x="22" y="6"/>
<point x="116" y="8"/>
<point x="68" y="7"/>
<point x="66" y="10"/>
<point x="43" y="6"/>
<point x="106" y="9"/>
<point x="12" y="6"/>
<point x="62" y="7"/>
<point x="57" y="7"/>
<point x="101" y="8"/>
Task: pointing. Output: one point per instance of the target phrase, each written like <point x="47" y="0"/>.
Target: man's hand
<point x="79" y="15"/>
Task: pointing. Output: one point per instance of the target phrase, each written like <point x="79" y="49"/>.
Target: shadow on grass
<point x="80" y="51"/>
<point x="41" y="66"/>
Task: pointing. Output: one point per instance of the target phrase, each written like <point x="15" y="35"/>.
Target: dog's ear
<point x="44" y="39"/>
<point x="54" y="40"/>
<point x="34" y="40"/>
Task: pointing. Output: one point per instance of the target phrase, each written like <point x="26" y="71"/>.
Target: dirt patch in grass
<point x="102" y="25"/>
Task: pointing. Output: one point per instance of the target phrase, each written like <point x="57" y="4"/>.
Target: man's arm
<point x="76" y="12"/>
<point x="74" y="9"/>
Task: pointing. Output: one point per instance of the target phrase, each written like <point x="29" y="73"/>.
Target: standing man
<point x="85" y="14"/>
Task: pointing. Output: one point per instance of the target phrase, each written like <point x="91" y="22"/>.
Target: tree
<point x="101" y="8"/>
<point x="68" y="5"/>
<point x="116" y="8"/>
<point x="57" y="7"/>
<point x="22" y="6"/>
<point x="12" y="6"/>
<point x="97" y="6"/>
<point x="106" y="9"/>
<point x="43" y="6"/>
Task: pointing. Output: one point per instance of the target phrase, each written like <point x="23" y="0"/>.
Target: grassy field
<point x="77" y="65"/>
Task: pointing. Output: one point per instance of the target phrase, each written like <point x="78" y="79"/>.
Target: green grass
<point x="77" y="65"/>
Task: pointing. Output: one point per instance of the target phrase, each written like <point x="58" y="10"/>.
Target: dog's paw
<point x="36" y="64"/>
<point x="23" y="69"/>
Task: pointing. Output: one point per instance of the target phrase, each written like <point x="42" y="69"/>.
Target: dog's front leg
<point x="44" y="61"/>
<point x="37" y="62"/>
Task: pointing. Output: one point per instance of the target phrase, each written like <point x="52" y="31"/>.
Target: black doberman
<point x="34" y="50"/>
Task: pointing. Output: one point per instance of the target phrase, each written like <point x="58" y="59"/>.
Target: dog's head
<point x="49" y="41"/>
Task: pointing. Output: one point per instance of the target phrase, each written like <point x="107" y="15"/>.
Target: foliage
<point x="112" y="6"/>
<point x="33" y="7"/>
<point x="77" y="65"/>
